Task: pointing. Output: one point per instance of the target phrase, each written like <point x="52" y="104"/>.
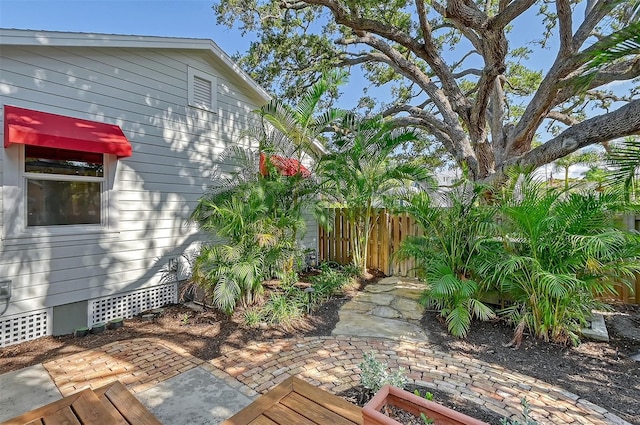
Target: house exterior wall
<point x="151" y="193"/>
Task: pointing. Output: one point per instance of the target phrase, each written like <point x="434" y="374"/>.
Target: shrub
<point x="283" y="309"/>
<point x="457" y="241"/>
<point x="252" y="317"/>
<point x="329" y="282"/>
<point x="562" y="251"/>
<point x="375" y="374"/>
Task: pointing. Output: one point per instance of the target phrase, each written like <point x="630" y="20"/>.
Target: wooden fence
<point x="388" y="231"/>
<point x="386" y="236"/>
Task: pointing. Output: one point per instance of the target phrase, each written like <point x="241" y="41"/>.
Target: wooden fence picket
<point x="387" y="234"/>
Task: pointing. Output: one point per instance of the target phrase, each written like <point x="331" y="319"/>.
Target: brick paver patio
<point x="138" y="363"/>
<point x="330" y="363"/>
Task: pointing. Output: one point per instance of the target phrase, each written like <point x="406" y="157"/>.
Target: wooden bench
<point x="112" y="404"/>
<point x="294" y="402"/>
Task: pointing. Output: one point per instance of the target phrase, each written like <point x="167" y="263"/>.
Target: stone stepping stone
<point x="366" y="325"/>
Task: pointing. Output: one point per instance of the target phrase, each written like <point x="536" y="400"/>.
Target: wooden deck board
<point x="112" y="404"/>
<point x="296" y="402"/>
<point x="314" y="411"/>
<point x="329" y="401"/>
<point x="63" y="416"/>
<point x="262" y="420"/>
<point x="128" y="406"/>
<point x="281" y="414"/>
<point x="89" y="410"/>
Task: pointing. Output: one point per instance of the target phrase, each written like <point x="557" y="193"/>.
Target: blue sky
<point x="174" y="18"/>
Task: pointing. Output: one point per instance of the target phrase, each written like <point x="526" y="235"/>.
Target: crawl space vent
<point x="25" y="327"/>
<point x="129" y="304"/>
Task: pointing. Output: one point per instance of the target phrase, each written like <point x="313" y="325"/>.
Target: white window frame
<point x="192" y="73"/>
<point x="15" y="199"/>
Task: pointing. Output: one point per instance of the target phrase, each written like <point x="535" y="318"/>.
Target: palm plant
<point x="257" y="217"/>
<point x="295" y="132"/>
<point x="457" y="242"/>
<point x="298" y="129"/>
<point x="610" y="49"/>
<point x="252" y="219"/>
<point x="575" y="158"/>
<point x="597" y="175"/>
<point x="624" y="160"/>
<point x="360" y="172"/>
<point x="562" y="251"/>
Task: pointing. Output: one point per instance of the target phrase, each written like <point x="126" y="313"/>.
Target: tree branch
<point x="621" y="71"/>
<point x="563" y="8"/>
<point x="563" y="118"/>
<point x="473" y="71"/>
<point x="427" y="118"/>
<point x="624" y="121"/>
<point x="509" y="12"/>
<point x="442" y="137"/>
<point x="427" y="51"/>
<point x="599" y="11"/>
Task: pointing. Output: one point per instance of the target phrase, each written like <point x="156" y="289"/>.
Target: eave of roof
<point x="20" y="37"/>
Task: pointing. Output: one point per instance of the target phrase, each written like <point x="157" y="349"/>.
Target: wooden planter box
<point x="411" y="403"/>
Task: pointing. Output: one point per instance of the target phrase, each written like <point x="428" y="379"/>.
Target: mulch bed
<point x="603" y="373"/>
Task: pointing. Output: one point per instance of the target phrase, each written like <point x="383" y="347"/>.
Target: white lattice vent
<point x="25" y="327"/>
<point x="129" y="304"/>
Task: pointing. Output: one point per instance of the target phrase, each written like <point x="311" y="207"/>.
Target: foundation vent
<point x="131" y="303"/>
<point x="24" y="327"/>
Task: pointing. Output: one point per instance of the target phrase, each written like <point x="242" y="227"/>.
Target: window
<point x="63" y="187"/>
<point x="202" y="90"/>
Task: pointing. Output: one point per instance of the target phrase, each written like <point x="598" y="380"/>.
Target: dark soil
<point x="603" y="373"/>
<point x="600" y="372"/>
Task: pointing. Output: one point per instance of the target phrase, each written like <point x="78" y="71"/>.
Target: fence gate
<point x="388" y="231"/>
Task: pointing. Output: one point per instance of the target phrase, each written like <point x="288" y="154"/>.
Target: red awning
<point x="287" y="166"/>
<point x="29" y="127"/>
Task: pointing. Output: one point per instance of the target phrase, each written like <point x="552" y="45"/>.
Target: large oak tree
<point x="457" y="68"/>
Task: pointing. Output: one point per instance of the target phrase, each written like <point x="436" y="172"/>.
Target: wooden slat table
<point x="112" y="404"/>
<point x="295" y="402"/>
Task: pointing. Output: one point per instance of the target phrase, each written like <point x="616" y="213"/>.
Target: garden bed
<point x="604" y="373"/>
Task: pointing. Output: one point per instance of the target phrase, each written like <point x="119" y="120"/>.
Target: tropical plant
<point x="624" y="161"/>
<point x="597" y="175"/>
<point x="253" y="219"/>
<point x="293" y="134"/>
<point x="361" y="172"/>
<point x="456" y="242"/>
<point x="562" y="250"/>
<point x="575" y="158"/>
<point x="258" y="199"/>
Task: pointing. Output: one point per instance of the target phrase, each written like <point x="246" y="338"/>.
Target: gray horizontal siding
<point x="145" y="92"/>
